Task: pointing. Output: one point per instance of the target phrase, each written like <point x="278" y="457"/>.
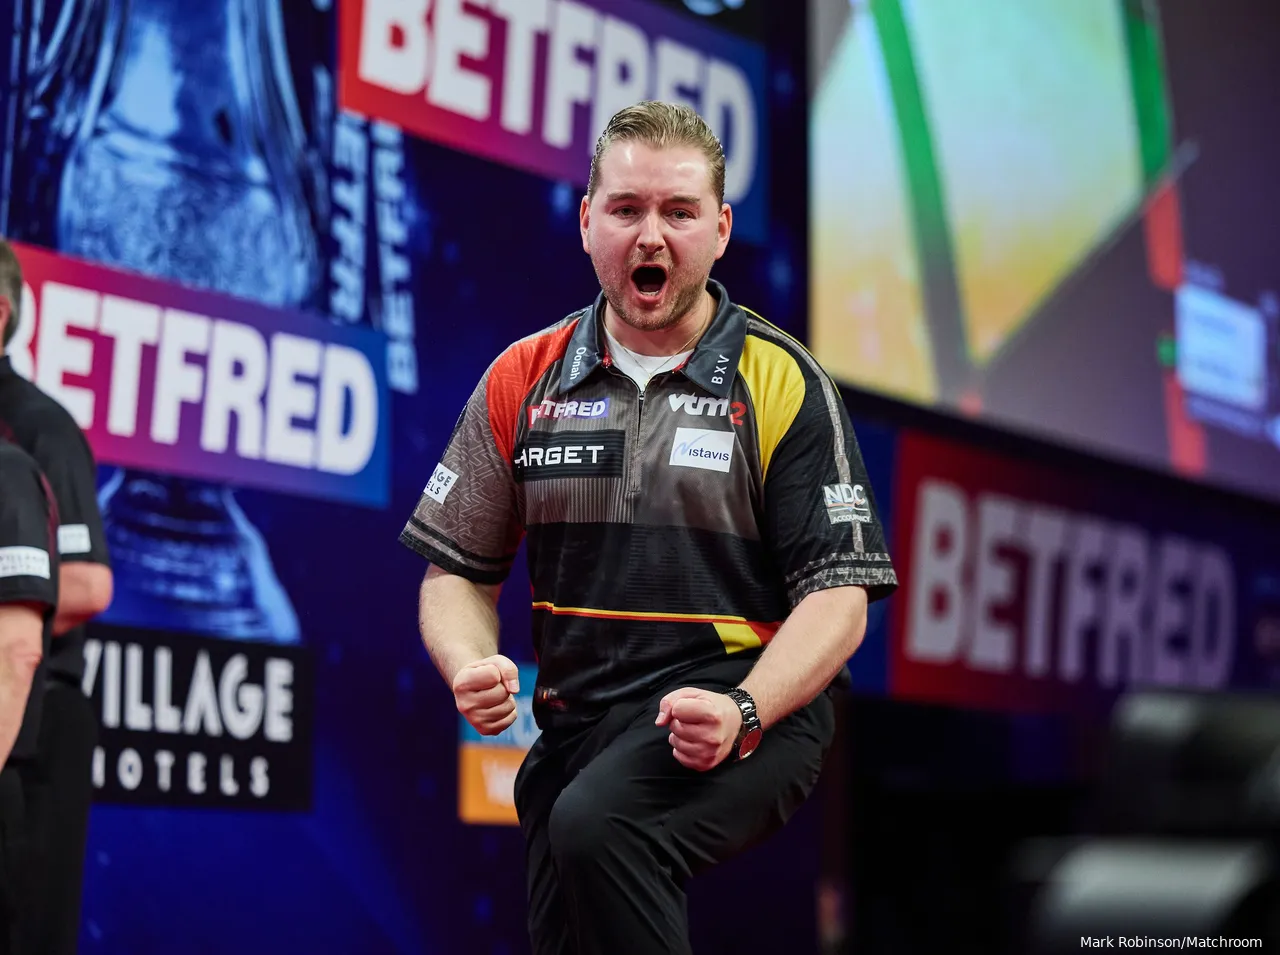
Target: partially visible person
<point x="28" y="601"/>
<point x="62" y="783"/>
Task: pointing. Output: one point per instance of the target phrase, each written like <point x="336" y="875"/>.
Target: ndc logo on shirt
<point x="598" y="408"/>
<point x="570" y="454"/>
<point x="847" y="503"/>
<point x="699" y="448"/>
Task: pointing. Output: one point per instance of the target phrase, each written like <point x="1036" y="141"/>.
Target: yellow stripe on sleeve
<point x="776" y="386"/>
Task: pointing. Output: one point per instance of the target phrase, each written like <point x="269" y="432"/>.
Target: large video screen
<point x="1058" y="217"/>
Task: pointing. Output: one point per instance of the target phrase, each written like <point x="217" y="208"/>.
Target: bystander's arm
<point x="84" y="591"/>
<point x="21" y="632"/>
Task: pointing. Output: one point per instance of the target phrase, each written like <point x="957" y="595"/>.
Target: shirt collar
<point x="6" y="367"/>
<point x="711" y="366"/>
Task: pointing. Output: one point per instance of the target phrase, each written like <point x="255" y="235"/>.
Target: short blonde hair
<point x="10" y="288"/>
<point x="662" y="126"/>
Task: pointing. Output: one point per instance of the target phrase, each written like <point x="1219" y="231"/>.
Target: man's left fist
<point x="703" y="724"/>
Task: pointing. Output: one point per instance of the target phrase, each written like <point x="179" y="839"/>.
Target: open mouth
<point x="649" y="279"/>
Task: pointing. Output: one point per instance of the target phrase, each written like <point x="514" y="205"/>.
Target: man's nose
<point x="650" y="239"/>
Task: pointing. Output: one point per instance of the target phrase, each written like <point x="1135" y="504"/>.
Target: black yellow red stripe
<point x="737" y="633"/>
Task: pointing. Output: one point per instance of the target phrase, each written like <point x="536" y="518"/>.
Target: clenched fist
<point x="703" y="724"/>
<point x="484" y="692"/>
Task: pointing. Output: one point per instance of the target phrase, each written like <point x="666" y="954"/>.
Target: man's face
<point x="653" y="230"/>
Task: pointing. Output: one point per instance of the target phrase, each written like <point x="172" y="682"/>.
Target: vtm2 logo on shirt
<point x="698" y="448"/>
<point x="709" y="407"/>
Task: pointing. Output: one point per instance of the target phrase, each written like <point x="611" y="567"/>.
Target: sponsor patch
<point x="709" y="406"/>
<point x="24" y="562"/>
<point x="570" y="454"/>
<point x="588" y="408"/>
<point x="73" y="539"/>
<point x="846" y="503"/>
<point x="700" y="448"/>
<point x="441" y="483"/>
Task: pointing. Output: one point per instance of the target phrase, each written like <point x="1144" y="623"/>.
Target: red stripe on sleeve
<point x="54" y="518"/>
<point x="512" y="378"/>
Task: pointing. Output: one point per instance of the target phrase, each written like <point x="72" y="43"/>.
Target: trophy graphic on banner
<point x="188" y="163"/>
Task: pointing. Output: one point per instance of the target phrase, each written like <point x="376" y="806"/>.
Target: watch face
<point x="749" y="744"/>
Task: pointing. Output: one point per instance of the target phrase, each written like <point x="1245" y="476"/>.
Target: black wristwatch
<point x="749" y="736"/>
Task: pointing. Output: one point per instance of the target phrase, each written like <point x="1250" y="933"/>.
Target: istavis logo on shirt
<point x="568" y="454"/>
<point x="702" y="448"/>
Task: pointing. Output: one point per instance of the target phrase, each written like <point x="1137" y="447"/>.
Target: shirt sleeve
<point x="466" y="521"/>
<point x="69" y="466"/>
<point x="28" y="561"/>
<point x="820" y="512"/>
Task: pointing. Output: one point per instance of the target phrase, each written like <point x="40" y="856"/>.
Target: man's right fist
<point x="484" y="692"/>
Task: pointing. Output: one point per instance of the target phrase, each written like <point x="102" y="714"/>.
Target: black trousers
<point x="614" y="826"/>
<point x="59" y="797"/>
<point x="14" y="882"/>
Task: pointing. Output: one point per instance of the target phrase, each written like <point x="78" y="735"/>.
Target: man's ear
<point x="584" y="223"/>
<point x="725" y="228"/>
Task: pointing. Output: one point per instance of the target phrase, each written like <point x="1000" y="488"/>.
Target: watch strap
<point x="750" y="718"/>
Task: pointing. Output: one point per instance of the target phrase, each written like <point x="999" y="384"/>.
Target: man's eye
<point x="624" y="211"/>
<point x="682" y="214"/>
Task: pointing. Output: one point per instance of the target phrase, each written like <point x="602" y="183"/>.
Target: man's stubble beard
<point x="685" y="300"/>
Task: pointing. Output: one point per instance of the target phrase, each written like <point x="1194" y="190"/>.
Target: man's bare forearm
<point x="84" y="591"/>
<point x="816" y="640"/>
<point x="20" y="627"/>
<point x="458" y="621"/>
<point x="14" y="690"/>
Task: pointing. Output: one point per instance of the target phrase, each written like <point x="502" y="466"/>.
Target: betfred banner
<point x="1025" y="588"/>
<point x="192" y="383"/>
<point x="532" y="83"/>
<point x="487" y="765"/>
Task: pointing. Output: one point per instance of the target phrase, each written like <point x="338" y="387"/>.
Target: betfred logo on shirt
<point x="599" y="408"/>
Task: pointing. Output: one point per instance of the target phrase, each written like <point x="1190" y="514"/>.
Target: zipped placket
<point x="634" y="459"/>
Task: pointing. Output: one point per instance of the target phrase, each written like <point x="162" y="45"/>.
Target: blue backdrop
<point x="205" y="147"/>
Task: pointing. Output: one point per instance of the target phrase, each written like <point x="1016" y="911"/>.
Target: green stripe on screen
<point x="931" y="228"/>
<point x="1146" y="72"/>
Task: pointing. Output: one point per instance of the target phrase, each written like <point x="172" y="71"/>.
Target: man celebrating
<point x="702" y="544"/>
